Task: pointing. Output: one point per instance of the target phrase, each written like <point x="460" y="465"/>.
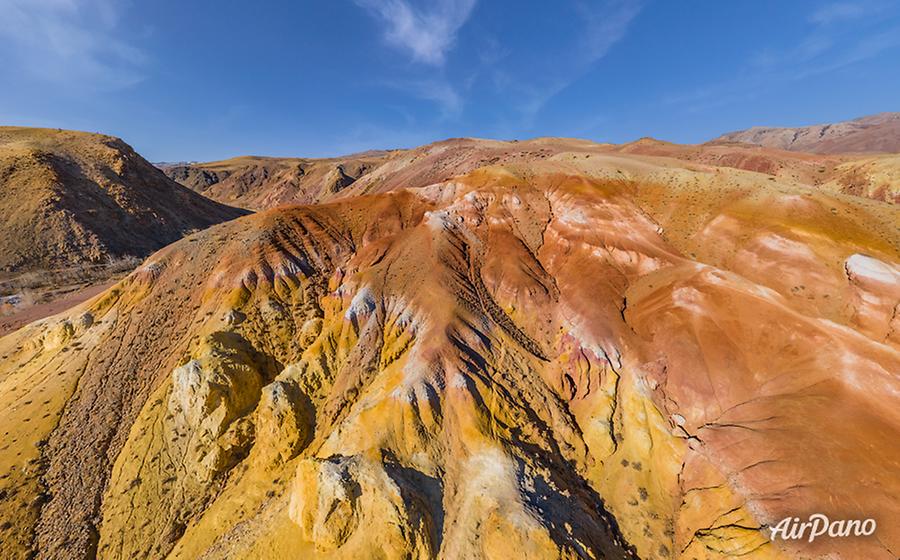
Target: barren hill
<point x="560" y="353"/>
<point x="264" y="182"/>
<point x="872" y="176"/>
<point x="873" y="134"/>
<point x="74" y="198"/>
<point x="260" y="183"/>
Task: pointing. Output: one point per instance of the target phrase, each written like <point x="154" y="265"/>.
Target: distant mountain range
<point x="872" y="134"/>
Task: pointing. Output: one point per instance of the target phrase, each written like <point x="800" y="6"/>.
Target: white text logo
<point x="818" y="525"/>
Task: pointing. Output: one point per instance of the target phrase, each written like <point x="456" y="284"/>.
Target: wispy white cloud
<point x="868" y="47"/>
<point x="824" y="48"/>
<point x="601" y="24"/>
<point x="372" y="136"/>
<point x="804" y="51"/>
<point x="428" y="33"/>
<point x="441" y="92"/>
<point x="843" y="11"/>
<point x="525" y="77"/>
<point x="438" y="90"/>
<point x="605" y="24"/>
<point x="78" y="43"/>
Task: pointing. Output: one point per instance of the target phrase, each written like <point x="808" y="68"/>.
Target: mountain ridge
<point x="259" y="183"/>
<point x="878" y="133"/>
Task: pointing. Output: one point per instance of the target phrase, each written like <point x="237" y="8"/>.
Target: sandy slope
<point x="571" y="353"/>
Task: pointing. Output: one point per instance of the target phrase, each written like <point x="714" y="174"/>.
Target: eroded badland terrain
<point x="472" y="349"/>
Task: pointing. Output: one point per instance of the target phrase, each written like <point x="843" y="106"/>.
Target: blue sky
<point x="205" y="79"/>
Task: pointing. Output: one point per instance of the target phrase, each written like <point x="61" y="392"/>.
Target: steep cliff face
<point x="535" y="361"/>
